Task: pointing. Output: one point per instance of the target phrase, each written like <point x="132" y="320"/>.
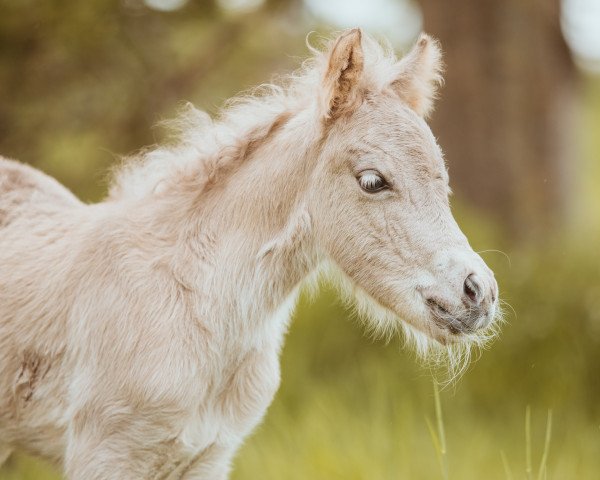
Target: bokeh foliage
<point x="83" y="82"/>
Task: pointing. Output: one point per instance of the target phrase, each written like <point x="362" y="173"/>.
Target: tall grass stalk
<point x="543" y="470"/>
<point x="438" y="438"/>
<point x="507" y="469"/>
<point x="528" y="468"/>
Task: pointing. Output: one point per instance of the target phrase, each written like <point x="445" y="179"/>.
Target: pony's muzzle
<point x="470" y="308"/>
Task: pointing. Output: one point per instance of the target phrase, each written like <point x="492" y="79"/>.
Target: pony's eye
<point x="371" y="181"/>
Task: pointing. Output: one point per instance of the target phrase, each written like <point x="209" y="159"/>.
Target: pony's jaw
<point x="408" y="313"/>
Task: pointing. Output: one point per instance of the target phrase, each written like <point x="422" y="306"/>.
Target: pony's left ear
<point x="419" y="75"/>
<point x="341" y="82"/>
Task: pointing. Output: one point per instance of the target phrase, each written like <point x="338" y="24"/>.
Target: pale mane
<point x="203" y="149"/>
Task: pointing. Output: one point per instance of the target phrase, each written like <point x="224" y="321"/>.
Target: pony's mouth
<point x="444" y="318"/>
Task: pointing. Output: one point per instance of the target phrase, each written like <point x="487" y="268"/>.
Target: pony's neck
<point x="253" y="230"/>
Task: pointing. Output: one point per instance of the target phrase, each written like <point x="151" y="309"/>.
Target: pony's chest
<point x="235" y="404"/>
<point x="242" y="385"/>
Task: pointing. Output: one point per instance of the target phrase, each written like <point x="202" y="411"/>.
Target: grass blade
<point x="528" y="468"/>
<point x="439" y="418"/>
<point x="543" y="469"/>
<point x="434" y="438"/>
<point x="507" y="470"/>
<point x="439" y="437"/>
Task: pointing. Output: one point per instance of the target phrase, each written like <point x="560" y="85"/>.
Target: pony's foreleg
<point x="212" y="464"/>
<point x="101" y="463"/>
<point x="124" y="448"/>
<point x="5" y="452"/>
<point x="108" y="461"/>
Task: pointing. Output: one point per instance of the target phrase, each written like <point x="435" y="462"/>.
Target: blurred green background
<point x="83" y="82"/>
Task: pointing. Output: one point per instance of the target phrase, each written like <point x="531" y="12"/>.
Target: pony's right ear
<point x="340" y="89"/>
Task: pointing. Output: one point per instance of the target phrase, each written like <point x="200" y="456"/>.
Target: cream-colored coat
<point x="139" y="337"/>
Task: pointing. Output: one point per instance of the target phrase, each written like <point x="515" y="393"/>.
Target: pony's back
<point x="24" y="190"/>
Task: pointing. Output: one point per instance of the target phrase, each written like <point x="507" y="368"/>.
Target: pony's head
<point x="379" y="202"/>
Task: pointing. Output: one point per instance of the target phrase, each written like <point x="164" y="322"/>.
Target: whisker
<point x="504" y="302"/>
<point x="491" y="250"/>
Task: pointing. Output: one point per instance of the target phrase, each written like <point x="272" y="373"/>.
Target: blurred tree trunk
<point x="505" y="117"/>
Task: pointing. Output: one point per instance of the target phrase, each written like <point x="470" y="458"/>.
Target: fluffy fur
<point x="140" y="336"/>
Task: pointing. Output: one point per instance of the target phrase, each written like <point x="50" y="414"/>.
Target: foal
<point x="139" y="337"/>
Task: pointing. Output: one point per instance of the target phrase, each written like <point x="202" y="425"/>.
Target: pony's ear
<point x="419" y="75"/>
<point x="341" y="83"/>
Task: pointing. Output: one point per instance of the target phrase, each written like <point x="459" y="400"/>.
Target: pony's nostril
<point x="472" y="289"/>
